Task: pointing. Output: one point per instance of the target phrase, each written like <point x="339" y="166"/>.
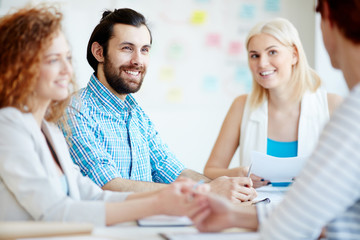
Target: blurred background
<point x="198" y="60"/>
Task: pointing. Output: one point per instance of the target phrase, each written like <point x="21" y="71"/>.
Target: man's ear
<point x="326" y="13"/>
<point x="97" y="51"/>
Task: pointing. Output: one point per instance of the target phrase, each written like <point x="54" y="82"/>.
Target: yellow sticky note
<point x="198" y="17"/>
<point x="166" y="74"/>
<point x="175" y="95"/>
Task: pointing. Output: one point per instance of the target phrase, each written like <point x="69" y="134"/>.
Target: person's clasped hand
<point x="216" y="216"/>
<point x="179" y="199"/>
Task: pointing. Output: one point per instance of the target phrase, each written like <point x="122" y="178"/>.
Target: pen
<point x="249" y="171"/>
<point x="265" y="200"/>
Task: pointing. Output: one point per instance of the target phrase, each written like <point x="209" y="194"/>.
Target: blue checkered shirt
<point x="110" y="138"/>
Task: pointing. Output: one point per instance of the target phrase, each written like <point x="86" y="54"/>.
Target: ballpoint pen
<point x="265" y="200"/>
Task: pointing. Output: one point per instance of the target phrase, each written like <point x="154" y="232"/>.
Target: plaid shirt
<point x="112" y="138"/>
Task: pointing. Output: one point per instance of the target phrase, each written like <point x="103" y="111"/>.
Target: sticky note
<point x="210" y="83"/>
<point x="175" y="51"/>
<point x="198" y="17"/>
<point x="247" y="11"/>
<point x="244" y="77"/>
<point x="174" y="95"/>
<point x="235" y="48"/>
<point x="272" y="5"/>
<point x="213" y="40"/>
<point x="166" y="74"/>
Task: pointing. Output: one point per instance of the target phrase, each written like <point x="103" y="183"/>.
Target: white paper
<point x="211" y="236"/>
<point x="276" y="169"/>
<point x="275" y="194"/>
<point x="164" y="220"/>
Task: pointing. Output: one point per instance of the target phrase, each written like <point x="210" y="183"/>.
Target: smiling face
<point x="270" y="61"/>
<point x="127" y="58"/>
<point x="55" y="72"/>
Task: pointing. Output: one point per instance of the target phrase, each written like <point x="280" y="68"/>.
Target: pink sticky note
<point x="213" y="40"/>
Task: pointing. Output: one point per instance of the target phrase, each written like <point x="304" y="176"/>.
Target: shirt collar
<point x="108" y="98"/>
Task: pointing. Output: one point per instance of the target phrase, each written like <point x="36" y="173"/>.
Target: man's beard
<point x="116" y="82"/>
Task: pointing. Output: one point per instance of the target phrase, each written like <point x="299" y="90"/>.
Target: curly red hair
<point x="24" y="37"/>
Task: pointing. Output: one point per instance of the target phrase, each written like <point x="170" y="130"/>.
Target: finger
<point x="257" y="184"/>
<point x="253" y="195"/>
<point x="243" y="181"/>
<point x="255" y="177"/>
<point x="204" y="188"/>
<point x="245" y="194"/>
<point x="197" y="207"/>
<point x="200" y="216"/>
<point x="235" y="200"/>
<point x="240" y="196"/>
<point x="244" y="190"/>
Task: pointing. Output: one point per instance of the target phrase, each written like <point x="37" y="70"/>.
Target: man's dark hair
<point x="105" y="29"/>
<point x="345" y="15"/>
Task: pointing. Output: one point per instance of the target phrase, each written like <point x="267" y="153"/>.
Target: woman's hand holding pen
<point x="236" y="189"/>
<point x="244" y="172"/>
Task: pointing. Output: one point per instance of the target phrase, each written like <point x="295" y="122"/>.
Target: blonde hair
<point x="303" y="77"/>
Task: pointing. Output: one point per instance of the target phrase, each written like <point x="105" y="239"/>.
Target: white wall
<point x="194" y="73"/>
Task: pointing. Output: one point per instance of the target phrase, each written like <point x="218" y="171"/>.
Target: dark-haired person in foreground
<point x="109" y="135"/>
<point x="327" y="192"/>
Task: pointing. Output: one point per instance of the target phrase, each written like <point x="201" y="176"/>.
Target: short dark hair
<point x="104" y="30"/>
<point x="346" y="16"/>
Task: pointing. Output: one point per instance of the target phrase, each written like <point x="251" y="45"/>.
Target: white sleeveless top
<point x="314" y="115"/>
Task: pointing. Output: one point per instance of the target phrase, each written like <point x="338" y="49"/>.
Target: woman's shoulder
<point x="238" y="106"/>
<point x="15" y="123"/>
<point x="240" y="100"/>
<point x="11" y="114"/>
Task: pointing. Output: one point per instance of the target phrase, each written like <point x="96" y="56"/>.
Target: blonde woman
<point x="286" y="110"/>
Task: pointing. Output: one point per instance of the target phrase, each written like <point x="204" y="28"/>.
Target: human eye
<point x="52" y="60"/>
<point x="127" y="48"/>
<point x="272" y="52"/>
<point x="254" y="55"/>
<point x="145" y="50"/>
<point x="69" y="58"/>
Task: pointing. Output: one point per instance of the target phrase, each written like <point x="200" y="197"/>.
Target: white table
<point x="130" y="231"/>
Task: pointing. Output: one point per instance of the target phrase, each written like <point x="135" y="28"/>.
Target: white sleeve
<point x="31" y="190"/>
<point x="327" y="186"/>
